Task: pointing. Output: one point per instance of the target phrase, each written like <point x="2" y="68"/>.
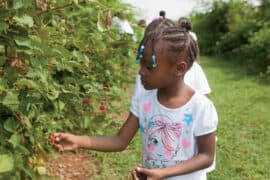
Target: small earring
<point x="139" y="54"/>
<point x="154" y="63"/>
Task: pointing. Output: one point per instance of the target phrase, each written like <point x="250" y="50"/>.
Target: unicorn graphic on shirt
<point x="162" y="138"/>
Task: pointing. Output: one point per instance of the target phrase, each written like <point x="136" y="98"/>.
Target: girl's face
<point x="156" y="148"/>
<point x="161" y="76"/>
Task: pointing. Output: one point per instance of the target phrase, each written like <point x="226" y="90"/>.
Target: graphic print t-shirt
<point x="169" y="135"/>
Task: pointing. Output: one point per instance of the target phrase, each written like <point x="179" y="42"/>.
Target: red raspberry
<point x="52" y="139"/>
<point x="86" y="101"/>
<point x="102" y="107"/>
<point x="105" y="88"/>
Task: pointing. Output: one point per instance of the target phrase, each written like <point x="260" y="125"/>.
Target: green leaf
<point x="23" y="150"/>
<point x="100" y="22"/>
<point x="2" y="58"/>
<point x="52" y="95"/>
<point x="41" y="170"/>
<point x="22" y="41"/>
<point x="11" y="124"/>
<point x="24" y="21"/>
<point x="17" y="4"/>
<point x="11" y="100"/>
<point x="86" y="121"/>
<point x="27" y="123"/>
<point x="3" y="26"/>
<point x="6" y="163"/>
<point x="15" y="140"/>
<point x="3" y="84"/>
<point x="59" y="106"/>
<point x="28" y="171"/>
<point x="27" y="83"/>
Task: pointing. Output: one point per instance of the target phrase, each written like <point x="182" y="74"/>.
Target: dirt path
<point x="72" y="166"/>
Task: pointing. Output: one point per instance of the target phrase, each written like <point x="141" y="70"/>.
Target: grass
<point x="243" y="104"/>
<point x="243" y="147"/>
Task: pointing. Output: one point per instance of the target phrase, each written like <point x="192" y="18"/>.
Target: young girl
<point x="177" y="124"/>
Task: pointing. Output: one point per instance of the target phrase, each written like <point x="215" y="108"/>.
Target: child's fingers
<point x="134" y="175"/>
<point x="61" y="135"/>
<point x="59" y="147"/>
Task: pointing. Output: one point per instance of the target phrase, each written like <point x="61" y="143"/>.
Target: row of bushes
<point x="237" y="30"/>
<point x="61" y="66"/>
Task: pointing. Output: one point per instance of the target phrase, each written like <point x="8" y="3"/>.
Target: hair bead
<point x="154" y="63"/>
<point x="139" y="54"/>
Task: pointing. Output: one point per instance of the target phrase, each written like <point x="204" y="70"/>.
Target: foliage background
<point x="60" y="61"/>
<point x="236" y="30"/>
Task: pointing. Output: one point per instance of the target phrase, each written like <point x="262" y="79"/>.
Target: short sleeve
<point x="206" y="119"/>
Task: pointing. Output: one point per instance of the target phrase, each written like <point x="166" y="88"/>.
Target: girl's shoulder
<point x="200" y="100"/>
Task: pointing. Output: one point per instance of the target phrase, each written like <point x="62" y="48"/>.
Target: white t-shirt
<point x="169" y="135"/>
<point x="194" y="77"/>
<point x="193" y="35"/>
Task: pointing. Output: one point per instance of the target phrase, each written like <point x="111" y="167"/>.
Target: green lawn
<point x="243" y="147"/>
<point x="243" y="105"/>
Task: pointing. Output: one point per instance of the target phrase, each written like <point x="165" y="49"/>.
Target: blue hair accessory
<point x="139" y="54"/>
<point x="154" y="63"/>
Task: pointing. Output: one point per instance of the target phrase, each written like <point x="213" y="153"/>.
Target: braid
<point x="180" y="41"/>
<point x="154" y="28"/>
<point x="178" y="38"/>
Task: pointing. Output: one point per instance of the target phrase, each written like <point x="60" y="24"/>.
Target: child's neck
<point x="175" y="96"/>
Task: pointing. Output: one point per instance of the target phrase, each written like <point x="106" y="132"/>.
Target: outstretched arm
<point x="100" y="143"/>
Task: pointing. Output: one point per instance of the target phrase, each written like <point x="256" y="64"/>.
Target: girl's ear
<point x="181" y="68"/>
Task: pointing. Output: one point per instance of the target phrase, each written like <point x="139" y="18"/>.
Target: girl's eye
<point x="155" y="141"/>
<point x="149" y="68"/>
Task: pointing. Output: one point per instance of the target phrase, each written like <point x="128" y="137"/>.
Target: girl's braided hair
<point x="178" y="38"/>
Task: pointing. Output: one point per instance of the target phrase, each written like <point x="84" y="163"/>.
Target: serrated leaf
<point x="27" y="83"/>
<point x="11" y="125"/>
<point x="22" y="41"/>
<point x="52" y="95"/>
<point x="59" y="105"/>
<point x="27" y="123"/>
<point x="11" y="100"/>
<point x="6" y="163"/>
<point x="24" y="21"/>
<point x="15" y="140"/>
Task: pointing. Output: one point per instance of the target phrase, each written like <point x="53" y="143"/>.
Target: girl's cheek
<point x="168" y="154"/>
<point x="151" y="147"/>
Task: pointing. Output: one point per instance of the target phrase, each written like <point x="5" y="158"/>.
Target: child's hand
<point x="141" y="173"/>
<point x="65" y="142"/>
